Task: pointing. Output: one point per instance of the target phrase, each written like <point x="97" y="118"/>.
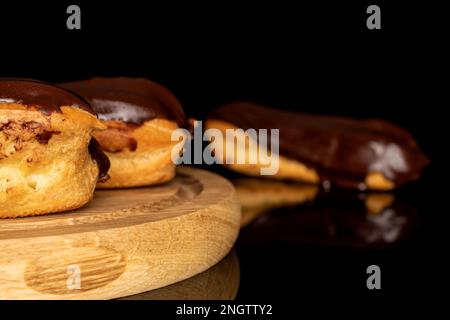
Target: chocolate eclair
<point x="140" y="116"/>
<point x="49" y="161"/>
<point x="362" y="154"/>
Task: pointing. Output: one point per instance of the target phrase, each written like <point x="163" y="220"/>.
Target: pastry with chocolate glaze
<point x="49" y="161"/>
<point x="336" y="151"/>
<point x="140" y="116"/>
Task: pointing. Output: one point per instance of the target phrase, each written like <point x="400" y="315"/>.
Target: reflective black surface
<point x="323" y="246"/>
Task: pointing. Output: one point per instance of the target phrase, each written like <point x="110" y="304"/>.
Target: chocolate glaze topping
<point x="132" y="100"/>
<point x="48" y="98"/>
<point x="43" y="96"/>
<point x="100" y="158"/>
<point x="341" y="150"/>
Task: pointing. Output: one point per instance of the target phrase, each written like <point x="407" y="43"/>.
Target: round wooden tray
<point x="123" y="243"/>
<point x="220" y="282"/>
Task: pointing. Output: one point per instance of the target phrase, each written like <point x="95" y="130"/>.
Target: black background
<point x="312" y="56"/>
<point x="317" y="57"/>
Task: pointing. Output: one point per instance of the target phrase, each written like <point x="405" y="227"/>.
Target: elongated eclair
<point x="140" y="116"/>
<point x="49" y="161"/>
<point x="362" y="154"/>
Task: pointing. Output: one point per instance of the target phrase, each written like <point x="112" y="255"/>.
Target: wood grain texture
<point x="220" y="282"/>
<point x="125" y="242"/>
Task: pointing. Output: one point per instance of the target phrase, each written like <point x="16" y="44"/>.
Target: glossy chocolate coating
<point x="48" y="98"/>
<point x="43" y="96"/>
<point x="100" y="158"/>
<point x="341" y="150"/>
<point x="132" y="100"/>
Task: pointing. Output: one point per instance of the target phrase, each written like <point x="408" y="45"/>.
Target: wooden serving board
<point x="123" y="243"/>
<point x="220" y="282"/>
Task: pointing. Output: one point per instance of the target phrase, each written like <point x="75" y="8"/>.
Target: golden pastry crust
<point x="377" y="181"/>
<point x="140" y="155"/>
<point x="45" y="165"/>
<point x="289" y="169"/>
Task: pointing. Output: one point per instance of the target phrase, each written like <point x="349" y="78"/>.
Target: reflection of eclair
<point x="336" y="218"/>
<point x="362" y="154"/>
<point x="48" y="159"/>
<point x="258" y="196"/>
<point x="140" y="116"/>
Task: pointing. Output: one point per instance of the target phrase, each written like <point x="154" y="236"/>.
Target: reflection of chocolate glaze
<point x="43" y="96"/>
<point x="100" y="158"/>
<point x="335" y="219"/>
<point x="132" y="100"/>
<point x="341" y="150"/>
